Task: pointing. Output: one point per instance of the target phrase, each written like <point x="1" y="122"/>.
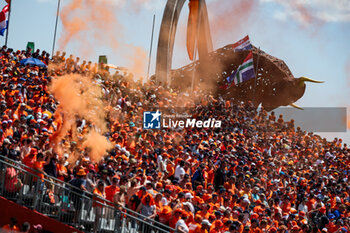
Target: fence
<point x="61" y="201"/>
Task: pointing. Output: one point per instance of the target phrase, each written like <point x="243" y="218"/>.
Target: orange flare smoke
<point x="79" y="98"/>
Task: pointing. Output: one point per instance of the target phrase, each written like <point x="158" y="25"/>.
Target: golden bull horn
<point x="305" y="79"/>
<point x="296" y="106"/>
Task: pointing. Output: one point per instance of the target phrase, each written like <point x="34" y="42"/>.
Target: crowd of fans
<point x="256" y="173"/>
<point x="26" y="227"/>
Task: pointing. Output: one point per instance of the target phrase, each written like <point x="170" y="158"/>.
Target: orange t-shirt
<point x="211" y="174"/>
<point x="310" y="204"/>
<point x="29" y="161"/>
<point x="97" y="197"/>
<point x="110" y="191"/>
<point x="190" y="219"/>
<point x="39" y="165"/>
<point x="164" y="218"/>
<point x="194" y="228"/>
<point x="61" y="168"/>
<point x="173" y="221"/>
<point x="170" y="169"/>
<point x="286" y="207"/>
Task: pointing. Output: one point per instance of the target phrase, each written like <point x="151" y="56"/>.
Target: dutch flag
<point x="4" y="19"/>
<point x="243" y="44"/>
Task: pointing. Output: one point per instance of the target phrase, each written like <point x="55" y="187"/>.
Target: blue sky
<point x="317" y="47"/>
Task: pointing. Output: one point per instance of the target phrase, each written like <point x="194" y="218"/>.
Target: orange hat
<point x="200" y="200"/>
<point x="255" y="215"/>
<point x="185" y="214"/>
<point x="198" y="217"/>
<point x="304" y="221"/>
<point x="166" y="210"/>
<point x="178" y="189"/>
<point x="293" y="211"/>
<point x="81" y="172"/>
<point x="179" y="211"/>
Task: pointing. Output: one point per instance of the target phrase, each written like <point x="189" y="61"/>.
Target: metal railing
<point x="63" y="202"/>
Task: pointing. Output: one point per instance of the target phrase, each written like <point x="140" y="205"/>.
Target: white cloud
<point x="306" y="10"/>
<point x="151" y="4"/>
<point x="280" y="15"/>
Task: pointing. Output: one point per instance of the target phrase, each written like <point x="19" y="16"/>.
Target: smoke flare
<point x="79" y="98"/>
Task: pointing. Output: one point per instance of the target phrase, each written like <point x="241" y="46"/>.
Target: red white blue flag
<point x="4" y="19"/>
<point x="243" y="44"/>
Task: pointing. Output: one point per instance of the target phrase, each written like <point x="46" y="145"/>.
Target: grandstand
<point x="256" y="173"/>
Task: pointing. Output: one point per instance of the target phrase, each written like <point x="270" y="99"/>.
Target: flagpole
<point x="54" y="37"/>
<point x="8" y="24"/>
<point x="256" y="72"/>
<point x="196" y="46"/>
<point x="151" y="46"/>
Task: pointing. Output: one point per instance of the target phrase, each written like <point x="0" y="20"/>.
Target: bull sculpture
<point x="274" y="85"/>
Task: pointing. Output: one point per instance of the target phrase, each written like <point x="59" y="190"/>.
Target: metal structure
<point x="274" y="85"/>
<point x="150" y="47"/>
<point x="54" y="36"/>
<point x="83" y="211"/>
<point x="167" y="37"/>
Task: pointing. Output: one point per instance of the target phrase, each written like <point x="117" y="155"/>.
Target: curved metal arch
<point x="167" y="34"/>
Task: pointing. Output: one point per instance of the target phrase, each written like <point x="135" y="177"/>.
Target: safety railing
<point x="63" y="202"/>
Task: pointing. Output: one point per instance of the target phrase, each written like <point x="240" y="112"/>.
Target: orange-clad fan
<point x="257" y="173"/>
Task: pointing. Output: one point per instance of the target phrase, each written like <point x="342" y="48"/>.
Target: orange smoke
<point x="72" y="24"/>
<point x="79" y="98"/>
<point x="92" y="24"/>
<point x="98" y="145"/>
<point x="139" y="60"/>
<point x="230" y="16"/>
<point x="305" y="15"/>
<point x="89" y="24"/>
